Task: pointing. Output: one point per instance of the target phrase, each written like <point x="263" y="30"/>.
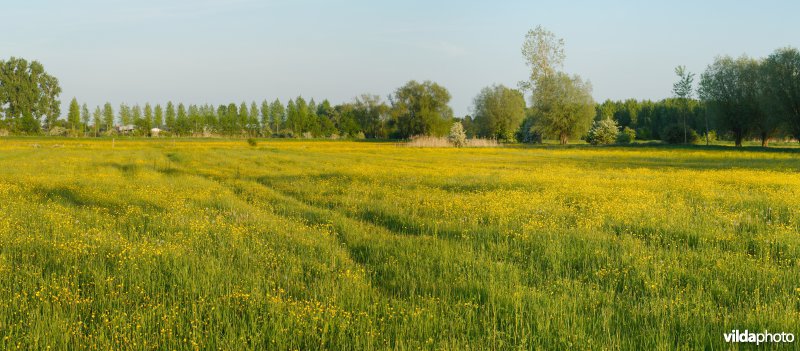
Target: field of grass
<point x="162" y="244"/>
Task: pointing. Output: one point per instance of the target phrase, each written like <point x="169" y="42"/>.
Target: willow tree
<point x="729" y="87"/>
<point x="499" y="111"/>
<point x="781" y="75"/>
<point x="371" y="114"/>
<point x="28" y="94"/>
<point x="563" y="107"/>
<point x="421" y="109"/>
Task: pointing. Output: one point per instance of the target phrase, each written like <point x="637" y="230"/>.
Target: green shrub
<point x="674" y="134"/>
<point x="644" y="134"/>
<point x="284" y="133"/>
<point x="694" y="138"/>
<point x="712" y="136"/>
<point x="252" y="142"/>
<point x="626" y="136"/>
<point x="603" y="132"/>
<point x="527" y="133"/>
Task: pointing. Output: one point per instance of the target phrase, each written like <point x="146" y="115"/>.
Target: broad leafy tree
<point x="421" y="109"/>
<point x="499" y="111"/>
<point x="346" y="121"/>
<point x="729" y="89"/>
<point x="371" y="114"/>
<point x="325" y="115"/>
<point x="28" y="94"/>
<point x="781" y="82"/>
<point x="563" y="107"/>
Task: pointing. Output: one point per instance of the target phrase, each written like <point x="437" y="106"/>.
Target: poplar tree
<point x="97" y="120"/>
<point x="147" y="123"/>
<point x="124" y="114"/>
<point x="169" y="118"/>
<point x="277" y="114"/>
<point x="182" y="120"/>
<point x="136" y="116"/>
<point x="265" y="125"/>
<point x="683" y="90"/>
<point x="108" y="116"/>
<point x="253" y="121"/>
<point x="243" y="119"/>
<point x="158" y="118"/>
<point x="85" y="118"/>
<point x="74" y="115"/>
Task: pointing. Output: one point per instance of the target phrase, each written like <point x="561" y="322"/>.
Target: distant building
<point x="126" y="129"/>
<point x="154" y="132"/>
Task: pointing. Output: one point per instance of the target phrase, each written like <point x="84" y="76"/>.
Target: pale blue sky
<point x="214" y="51"/>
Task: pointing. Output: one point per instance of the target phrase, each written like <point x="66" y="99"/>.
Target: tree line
<point x="736" y="98"/>
<point x="417" y="108"/>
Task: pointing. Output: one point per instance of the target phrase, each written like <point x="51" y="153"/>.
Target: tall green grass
<point x="342" y="245"/>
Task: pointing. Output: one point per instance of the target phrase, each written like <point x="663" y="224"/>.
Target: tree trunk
<point x="764" y="140"/>
<point x="564" y="139"/>
<point x="739" y="139"/>
<point x="685" y="133"/>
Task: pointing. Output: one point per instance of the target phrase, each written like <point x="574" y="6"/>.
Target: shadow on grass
<point x="79" y="199"/>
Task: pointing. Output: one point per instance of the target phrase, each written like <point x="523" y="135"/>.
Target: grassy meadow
<point x="215" y="244"/>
